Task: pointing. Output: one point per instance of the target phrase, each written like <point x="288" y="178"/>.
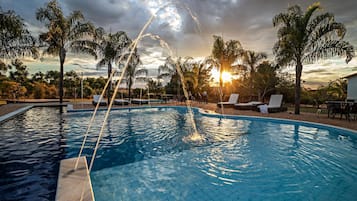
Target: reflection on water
<point x="31" y="146"/>
<point x="143" y="157"/>
<point x="240" y="159"/>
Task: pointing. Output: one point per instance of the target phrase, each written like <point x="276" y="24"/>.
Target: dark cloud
<point x="314" y="71"/>
<point x="249" y="21"/>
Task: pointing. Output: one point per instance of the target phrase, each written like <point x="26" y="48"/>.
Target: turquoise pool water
<point x="145" y="155"/>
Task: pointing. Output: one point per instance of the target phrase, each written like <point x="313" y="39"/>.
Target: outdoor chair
<point x="275" y="104"/>
<point x="96" y="100"/>
<point x="353" y="112"/>
<point x="139" y="101"/>
<point x="233" y="99"/>
<point x="252" y="105"/>
<point x="121" y="102"/>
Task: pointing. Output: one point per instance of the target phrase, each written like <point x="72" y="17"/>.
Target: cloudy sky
<point x="188" y="26"/>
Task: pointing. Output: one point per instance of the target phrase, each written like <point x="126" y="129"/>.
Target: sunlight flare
<point x="226" y="76"/>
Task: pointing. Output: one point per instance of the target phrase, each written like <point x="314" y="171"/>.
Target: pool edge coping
<point x="68" y="180"/>
<point x="13" y="114"/>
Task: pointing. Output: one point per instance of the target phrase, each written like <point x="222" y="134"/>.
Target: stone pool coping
<point x="74" y="184"/>
<point x="11" y="110"/>
<point x="14" y="113"/>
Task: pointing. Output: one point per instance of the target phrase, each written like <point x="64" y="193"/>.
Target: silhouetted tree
<point x="304" y="37"/>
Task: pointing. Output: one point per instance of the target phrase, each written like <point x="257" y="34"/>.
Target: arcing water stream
<point x="195" y="136"/>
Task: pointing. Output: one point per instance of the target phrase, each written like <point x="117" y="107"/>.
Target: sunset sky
<point x="249" y="21"/>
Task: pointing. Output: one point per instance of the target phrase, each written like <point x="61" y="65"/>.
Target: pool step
<point x="74" y="184"/>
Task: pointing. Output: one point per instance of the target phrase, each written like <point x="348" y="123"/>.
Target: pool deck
<point x="11" y="110"/>
<point x="74" y="184"/>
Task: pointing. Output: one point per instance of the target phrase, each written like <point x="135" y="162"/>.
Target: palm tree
<point x="61" y="32"/>
<point x="305" y="37"/>
<point x="224" y="54"/>
<point x="338" y="89"/>
<point x="169" y="69"/>
<point x="107" y="47"/>
<point x="203" y="74"/>
<point x="251" y="60"/>
<point x="15" y="39"/>
<point x="133" y="73"/>
<point x="265" y="79"/>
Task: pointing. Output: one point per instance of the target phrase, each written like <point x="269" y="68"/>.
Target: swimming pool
<point x="143" y="157"/>
<point x="31" y="146"/>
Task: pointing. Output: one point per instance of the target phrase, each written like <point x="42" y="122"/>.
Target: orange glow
<point x="226" y="76"/>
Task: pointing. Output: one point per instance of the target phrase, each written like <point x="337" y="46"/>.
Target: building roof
<point x="352" y="75"/>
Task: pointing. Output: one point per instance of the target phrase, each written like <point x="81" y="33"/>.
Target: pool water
<point x="31" y="146"/>
<point x="145" y="155"/>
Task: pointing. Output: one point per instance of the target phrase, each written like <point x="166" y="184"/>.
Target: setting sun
<point x="226" y="76"/>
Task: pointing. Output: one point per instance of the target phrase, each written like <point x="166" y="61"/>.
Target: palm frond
<point x="331" y="48"/>
<point x="81" y="30"/>
<point x="309" y="13"/>
<point x="328" y="31"/>
<point x="101" y="63"/>
<point x="74" y="17"/>
<point x="86" y="50"/>
<point x="284" y="52"/>
<point x="281" y="19"/>
<point x="141" y="72"/>
<point x="317" y="21"/>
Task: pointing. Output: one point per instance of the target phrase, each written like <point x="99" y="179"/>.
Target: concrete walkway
<point x="8" y="111"/>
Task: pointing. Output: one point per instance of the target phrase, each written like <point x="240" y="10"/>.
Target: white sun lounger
<point x="247" y="106"/>
<point x="139" y="101"/>
<point x="96" y="100"/>
<point x="121" y="102"/>
<point x="274" y="105"/>
<point x="233" y="99"/>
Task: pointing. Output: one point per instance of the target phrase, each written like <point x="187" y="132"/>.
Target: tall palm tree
<point x="132" y="72"/>
<point x="15" y="39"/>
<point x="251" y="60"/>
<point x="224" y="54"/>
<point x="62" y="30"/>
<point x="107" y="47"/>
<point x="306" y="37"/>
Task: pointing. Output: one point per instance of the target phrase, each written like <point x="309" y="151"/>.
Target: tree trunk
<point x="298" y="86"/>
<point x="62" y="55"/>
<point x="110" y="81"/>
